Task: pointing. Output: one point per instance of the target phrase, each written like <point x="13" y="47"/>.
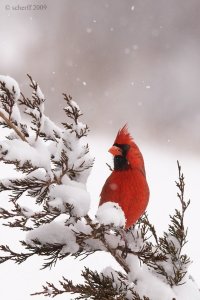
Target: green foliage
<point x="162" y="255"/>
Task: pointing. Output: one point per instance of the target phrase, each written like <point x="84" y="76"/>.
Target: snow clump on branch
<point x="111" y="213"/>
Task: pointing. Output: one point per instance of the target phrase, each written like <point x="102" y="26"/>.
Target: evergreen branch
<point x="96" y="286"/>
<point x="178" y="219"/>
<point x="51" y="251"/>
<point x="146" y="226"/>
<point x="72" y="111"/>
<point x="82" y="132"/>
<point x="73" y="172"/>
<point x="11" y="125"/>
<point x="18" y="223"/>
<point x="173" y="241"/>
<point x="35" y="188"/>
<point x="18" y="219"/>
<point x="13" y="256"/>
<point x="162" y="255"/>
<point x="24" y="167"/>
<point x="7" y="98"/>
<point x="26" y="102"/>
<point x="99" y="232"/>
<point x="33" y="107"/>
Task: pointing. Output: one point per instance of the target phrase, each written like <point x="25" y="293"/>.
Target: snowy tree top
<point x="53" y="164"/>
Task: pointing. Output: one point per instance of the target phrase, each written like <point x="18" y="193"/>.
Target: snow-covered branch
<point x="53" y="163"/>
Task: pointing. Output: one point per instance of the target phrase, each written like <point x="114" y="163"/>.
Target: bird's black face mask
<point x="120" y="161"/>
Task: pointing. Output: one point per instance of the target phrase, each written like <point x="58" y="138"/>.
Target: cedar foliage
<point x="141" y="240"/>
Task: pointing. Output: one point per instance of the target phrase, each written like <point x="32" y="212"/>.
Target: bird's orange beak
<point x="114" y="150"/>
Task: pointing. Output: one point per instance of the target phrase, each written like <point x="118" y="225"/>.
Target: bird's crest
<point x="123" y="136"/>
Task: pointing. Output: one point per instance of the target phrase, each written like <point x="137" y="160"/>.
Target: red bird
<point x="127" y="184"/>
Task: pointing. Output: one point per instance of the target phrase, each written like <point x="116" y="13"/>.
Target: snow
<point x="80" y="226"/>
<point x="10" y="83"/>
<point x="39" y="173"/>
<point x="38" y="113"/>
<point x="89" y="30"/>
<point x="154" y="287"/>
<point x="74" y="104"/>
<point x="39" y="93"/>
<point x="75" y="148"/>
<point x="111" y="213"/>
<point x="188" y="291"/>
<point x="50" y="127"/>
<point x="144" y="281"/>
<point x="74" y="193"/>
<point x="110" y="272"/>
<point x="147" y="283"/>
<point x="77" y="156"/>
<point x="16" y="115"/>
<point x="168" y="265"/>
<point x="19" y="150"/>
<point x="168" y="173"/>
<point x="113" y="186"/>
<point x="27" y="212"/>
<point x="134" y="266"/>
<point x="113" y="240"/>
<point x="134" y="239"/>
<point x="54" y="233"/>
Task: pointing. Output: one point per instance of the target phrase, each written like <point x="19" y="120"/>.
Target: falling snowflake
<point x="127" y="51"/>
<point x="89" y="30"/>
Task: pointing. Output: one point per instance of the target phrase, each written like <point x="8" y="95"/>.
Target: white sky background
<point x="122" y="61"/>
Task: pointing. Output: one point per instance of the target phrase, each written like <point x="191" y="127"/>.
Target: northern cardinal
<point x="127" y="184"/>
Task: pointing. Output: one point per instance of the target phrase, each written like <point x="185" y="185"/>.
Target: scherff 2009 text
<point x="26" y="7"/>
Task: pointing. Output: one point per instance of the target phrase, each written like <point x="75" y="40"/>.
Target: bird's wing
<point x="110" y="191"/>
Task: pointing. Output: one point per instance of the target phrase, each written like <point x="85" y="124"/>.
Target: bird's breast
<point x="130" y="190"/>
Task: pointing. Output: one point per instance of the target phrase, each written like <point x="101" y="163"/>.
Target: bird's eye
<point x="126" y="147"/>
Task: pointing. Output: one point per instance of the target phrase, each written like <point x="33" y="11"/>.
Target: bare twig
<point x="14" y="127"/>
